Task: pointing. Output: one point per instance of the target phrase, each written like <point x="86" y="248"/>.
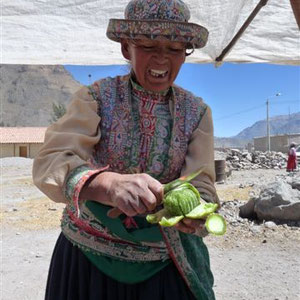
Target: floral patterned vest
<point x="119" y="146"/>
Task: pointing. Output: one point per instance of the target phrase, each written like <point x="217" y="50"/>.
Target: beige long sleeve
<point x="68" y="144"/>
<point x="201" y="153"/>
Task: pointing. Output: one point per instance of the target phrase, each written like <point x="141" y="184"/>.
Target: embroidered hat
<point x="158" y="20"/>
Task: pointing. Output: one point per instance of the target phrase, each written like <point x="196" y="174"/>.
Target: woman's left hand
<point x="192" y="226"/>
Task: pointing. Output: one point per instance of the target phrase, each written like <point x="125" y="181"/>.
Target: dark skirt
<point x="73" y="277"/>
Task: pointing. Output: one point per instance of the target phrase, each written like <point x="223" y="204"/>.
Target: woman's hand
<point x="132" y="194"/>
<point x="192" y="226"/>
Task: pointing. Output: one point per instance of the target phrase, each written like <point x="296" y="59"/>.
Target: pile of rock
<point x="275" y="208"/>
<point x="244" y="160"/>
<point x="278" y="201"/>
<point x="251" y="225"/>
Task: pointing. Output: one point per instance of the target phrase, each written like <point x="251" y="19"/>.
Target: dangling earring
<point x="192" y="51"/>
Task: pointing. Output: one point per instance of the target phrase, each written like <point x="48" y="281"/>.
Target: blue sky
<point x="237" y="93"/>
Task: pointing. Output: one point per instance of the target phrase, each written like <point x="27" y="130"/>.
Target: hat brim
<point x="194" y="35"/>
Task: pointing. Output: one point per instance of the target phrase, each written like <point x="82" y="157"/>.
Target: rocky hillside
<point x="28" y="93"/>
<point x="283" y="124"/>
<point x="231" y="142"/>
<point x="278" y="125"/>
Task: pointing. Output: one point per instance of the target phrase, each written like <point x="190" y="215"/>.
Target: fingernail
<point x="187" y="221"/>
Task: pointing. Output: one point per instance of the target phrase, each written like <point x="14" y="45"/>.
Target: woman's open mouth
<point x="158" y="73"/>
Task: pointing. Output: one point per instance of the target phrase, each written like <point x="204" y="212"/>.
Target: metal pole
<point x="268" y="127"/>
<point x="227" y="49"/>
<point x="289" y="127"/>
<point x="268" y="123"/>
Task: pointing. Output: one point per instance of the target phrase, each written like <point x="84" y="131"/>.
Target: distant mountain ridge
<point x="282" y="124"/>
<point x="28" y="93"/>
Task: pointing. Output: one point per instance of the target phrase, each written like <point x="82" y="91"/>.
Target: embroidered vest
<point x="115" y="149"/>
<point x="117" y="127"/>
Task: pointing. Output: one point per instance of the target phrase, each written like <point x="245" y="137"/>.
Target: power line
<point x="254" y="108"/>
<point x="240" y="112"/>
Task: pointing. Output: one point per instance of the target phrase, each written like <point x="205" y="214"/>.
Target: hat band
<point x="189" y="33"/>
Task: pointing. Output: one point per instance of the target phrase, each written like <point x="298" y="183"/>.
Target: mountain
<point x="278" y="125"/>
<point x="283" y="124"/>
<point x="28" y="93"/>
<point x="230" y="142"/>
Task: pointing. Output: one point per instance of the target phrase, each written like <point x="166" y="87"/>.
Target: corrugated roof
<point x="11" y="135"/>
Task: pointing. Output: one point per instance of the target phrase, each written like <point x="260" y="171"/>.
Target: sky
<point x="236" y="93"/>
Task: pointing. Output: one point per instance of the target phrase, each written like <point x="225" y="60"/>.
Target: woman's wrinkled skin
<point x="155" y="63"/>
<point x="133" y="194"/>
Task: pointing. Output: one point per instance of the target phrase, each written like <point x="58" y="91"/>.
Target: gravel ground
<point x="252" y="261"/>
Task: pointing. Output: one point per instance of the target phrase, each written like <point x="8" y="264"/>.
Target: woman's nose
<point x="162" y="52"/>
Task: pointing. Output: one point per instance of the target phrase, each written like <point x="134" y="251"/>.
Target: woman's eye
<point x="148" y="47"/>
<point x="175" y="49"/>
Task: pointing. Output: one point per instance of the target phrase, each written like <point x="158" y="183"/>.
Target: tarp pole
<point x="296" y="9"/>
<point x="241" y="31"/>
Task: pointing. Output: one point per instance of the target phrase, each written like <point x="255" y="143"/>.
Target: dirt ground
<point x="248" y="263"/>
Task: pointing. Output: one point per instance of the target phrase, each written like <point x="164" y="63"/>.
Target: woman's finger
<point x="138" y="204"/>
<point x="114" y="212"/>
<point x="158" y="192"/>
<point x="186" y="229"/>
<point x="149" y="200"/>
<point x="195" y="224"/>
<point x="127" y="208"/>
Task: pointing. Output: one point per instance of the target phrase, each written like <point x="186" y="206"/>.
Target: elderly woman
<point x="108" y="157"/>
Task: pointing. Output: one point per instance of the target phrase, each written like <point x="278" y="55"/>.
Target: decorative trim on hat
<point x="194" y="35"/>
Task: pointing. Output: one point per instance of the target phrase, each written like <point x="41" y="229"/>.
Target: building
<point x="278" y="143"/>
<point x="21" y="141"/>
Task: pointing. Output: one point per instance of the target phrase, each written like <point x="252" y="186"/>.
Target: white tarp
<point x="73" y="31"/>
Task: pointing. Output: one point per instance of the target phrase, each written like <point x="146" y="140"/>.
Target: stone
<point x="296" y="183"/>
<point x="278" y="201"/>
<point x="256" y="229"/>
<point x="270" y="225"/>
<point x="247" y="210"/>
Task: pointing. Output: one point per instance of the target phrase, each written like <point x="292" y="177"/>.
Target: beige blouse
<point x="70" y="141"/>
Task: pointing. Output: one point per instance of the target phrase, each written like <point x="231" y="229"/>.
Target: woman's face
<point x="155" y="63"/>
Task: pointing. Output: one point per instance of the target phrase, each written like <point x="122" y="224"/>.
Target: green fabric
<point x="123" y="271"/>
<point x="126" y="272"/>
<point x="201" y="278"/>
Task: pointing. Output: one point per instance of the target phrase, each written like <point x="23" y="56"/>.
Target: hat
<point x="158" y="20"/>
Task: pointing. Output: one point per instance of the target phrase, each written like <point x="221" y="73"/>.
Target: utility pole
<point x="268" y="122"/>
<point x="268" y="128"/>
<point x="289" y="127"/>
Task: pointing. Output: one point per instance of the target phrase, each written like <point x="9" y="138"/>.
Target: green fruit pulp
<point x="215" y="224"/>
<point x="181" y="200"/>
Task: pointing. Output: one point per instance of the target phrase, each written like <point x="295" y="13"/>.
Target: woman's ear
<point x="125" y="48"/>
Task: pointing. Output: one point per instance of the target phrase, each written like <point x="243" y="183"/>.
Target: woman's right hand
<point x="132" y="194"/>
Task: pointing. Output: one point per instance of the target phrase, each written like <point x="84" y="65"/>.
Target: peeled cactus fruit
<point x="182" y="200"/>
